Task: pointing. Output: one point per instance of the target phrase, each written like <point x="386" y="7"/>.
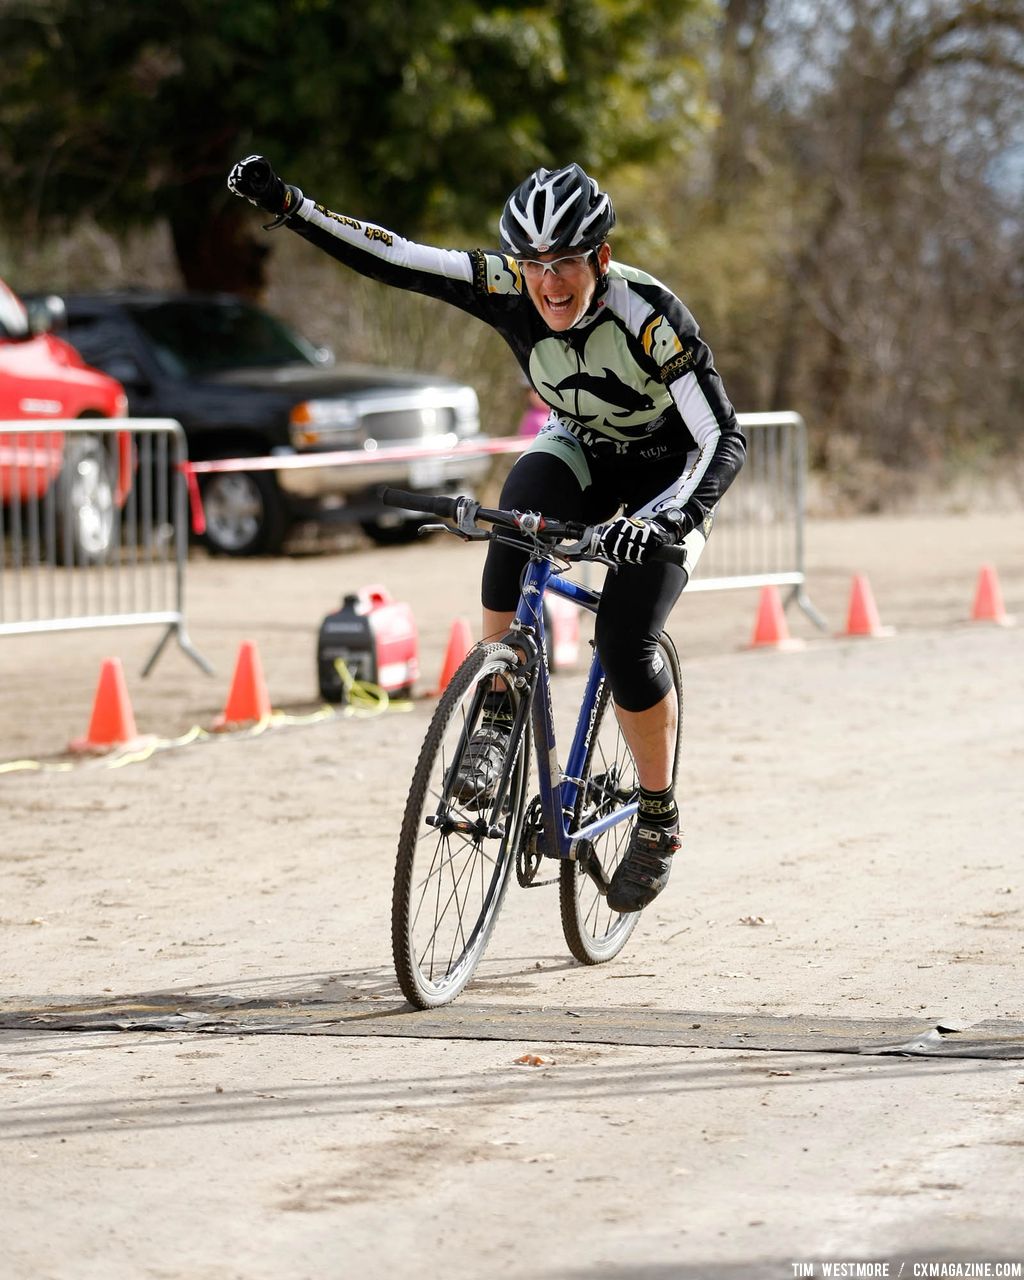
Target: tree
<point x="423" y="112"/>
<point x="853" y="240"/>
<point x="895" y="151"/>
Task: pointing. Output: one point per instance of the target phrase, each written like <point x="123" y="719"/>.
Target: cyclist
<point x="639" y="422"/>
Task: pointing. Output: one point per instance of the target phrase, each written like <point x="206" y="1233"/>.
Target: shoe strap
<point x="656" y="839"/>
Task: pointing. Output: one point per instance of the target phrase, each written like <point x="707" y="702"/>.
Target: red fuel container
<point x="375" y="637"/>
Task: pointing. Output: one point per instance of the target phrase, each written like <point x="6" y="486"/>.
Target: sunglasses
<point x="570" y="264"/>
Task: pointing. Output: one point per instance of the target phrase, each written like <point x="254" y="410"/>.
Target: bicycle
<point x="457" y="847"/>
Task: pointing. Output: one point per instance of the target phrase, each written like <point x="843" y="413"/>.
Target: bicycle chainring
<point x="528" y="856"/>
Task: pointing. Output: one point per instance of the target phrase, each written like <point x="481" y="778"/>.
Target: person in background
<point x="535" y="414"/>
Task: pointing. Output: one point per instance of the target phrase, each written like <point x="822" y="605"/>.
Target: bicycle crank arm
<point x="591" y="864"/>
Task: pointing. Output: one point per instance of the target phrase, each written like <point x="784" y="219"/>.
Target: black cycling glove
<point x="630" y="539"/>
<point x="633" y="539"/>
<point x="255" y="180"/>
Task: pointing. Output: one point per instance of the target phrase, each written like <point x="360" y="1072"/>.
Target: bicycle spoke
<point x="441" y="913"/>
<point x="442" y="909"/>
<point x="437" y="870"/>
<point x="460" y="934"/>
<point x="432" y="832"/>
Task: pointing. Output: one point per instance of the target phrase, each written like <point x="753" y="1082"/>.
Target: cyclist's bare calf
<point x="651" y="738"/>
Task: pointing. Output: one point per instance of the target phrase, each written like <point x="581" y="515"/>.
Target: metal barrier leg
<point x="178" y="630"/>
<point x="804" y="601"/>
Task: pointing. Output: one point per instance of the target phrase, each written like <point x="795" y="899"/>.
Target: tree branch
<point x="979" y="15"/>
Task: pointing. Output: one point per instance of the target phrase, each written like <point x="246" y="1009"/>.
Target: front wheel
<point x="455" y="851"/>
<point x="594" y="931"/>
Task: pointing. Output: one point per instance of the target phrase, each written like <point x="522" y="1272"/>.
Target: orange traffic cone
<point x="112" y="723"/>
<point x="988" y="599"/>
<point x="771" y="630"/>
<point x="248" y="699"/>
<point x="862" y="616"/>
<point x="460" y="641"/>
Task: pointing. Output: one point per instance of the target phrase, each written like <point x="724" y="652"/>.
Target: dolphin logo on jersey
<point x="603" y="386"/>
<point x="610" y="388"/>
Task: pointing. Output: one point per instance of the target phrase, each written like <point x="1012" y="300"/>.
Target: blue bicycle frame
<point x="559" y="791"/>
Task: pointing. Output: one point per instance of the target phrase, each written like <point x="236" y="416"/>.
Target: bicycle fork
<point x="481" y="828"/>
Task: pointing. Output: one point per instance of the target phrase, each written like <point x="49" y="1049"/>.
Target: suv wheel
<point x="86" y="507"/>
<point x="245" y="513"/>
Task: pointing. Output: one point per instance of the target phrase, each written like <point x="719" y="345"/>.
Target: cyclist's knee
<point x="636" y="670"/>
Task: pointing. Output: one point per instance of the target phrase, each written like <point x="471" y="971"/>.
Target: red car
<point x="43" y="377"/>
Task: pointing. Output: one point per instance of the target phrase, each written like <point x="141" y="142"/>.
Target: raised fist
<point x="255" y="180"/>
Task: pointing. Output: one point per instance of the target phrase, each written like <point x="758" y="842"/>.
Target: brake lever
<point x="470" y="535"/>
<point x="585" y="548"/>
<point x="580" y="548"/>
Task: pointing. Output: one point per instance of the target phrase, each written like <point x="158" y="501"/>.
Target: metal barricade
<point x="758" y="538"/>
<point x="94" y="527"/>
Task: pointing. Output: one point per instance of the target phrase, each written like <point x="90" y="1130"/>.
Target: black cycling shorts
<point x="636" y="599"/>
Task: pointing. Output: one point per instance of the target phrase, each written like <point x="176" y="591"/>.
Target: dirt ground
<point x="854" y="815"/>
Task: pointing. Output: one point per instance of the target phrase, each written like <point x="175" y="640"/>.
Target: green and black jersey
<point x="632" y="377"/>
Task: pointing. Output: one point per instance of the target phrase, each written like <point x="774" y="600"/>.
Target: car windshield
<point x="192" y="339"/>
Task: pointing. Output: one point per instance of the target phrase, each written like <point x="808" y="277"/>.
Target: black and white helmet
<point x="556" y="210"/>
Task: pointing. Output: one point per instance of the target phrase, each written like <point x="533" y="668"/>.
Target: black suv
<point x="243" y="384"/>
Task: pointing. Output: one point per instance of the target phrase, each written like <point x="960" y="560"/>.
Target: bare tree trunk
<point x="219" y="252"/>
<point x="742" y="42"/>
<point x="803" y="278"/>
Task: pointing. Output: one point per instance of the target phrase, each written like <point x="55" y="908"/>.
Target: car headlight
<point x="315" y="421"/>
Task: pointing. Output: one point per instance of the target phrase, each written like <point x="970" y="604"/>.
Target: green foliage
<point x="423" y="112"/>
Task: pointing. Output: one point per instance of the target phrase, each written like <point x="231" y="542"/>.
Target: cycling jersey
<point x="633" y="377"/>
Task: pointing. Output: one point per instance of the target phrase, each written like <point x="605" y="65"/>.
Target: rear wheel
<point x="594" y="931"/>
<point x="455" y="853"/>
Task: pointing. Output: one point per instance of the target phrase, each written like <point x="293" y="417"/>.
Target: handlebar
<point x="427" y="504"/>
<point x="466" y="512"/>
